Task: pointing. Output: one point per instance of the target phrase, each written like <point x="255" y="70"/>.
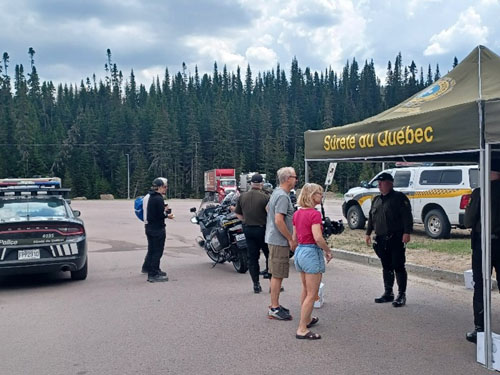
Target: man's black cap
<point x="384" y="177"/>
<point x="257" y="178"/>
<point x="160" y="181"/>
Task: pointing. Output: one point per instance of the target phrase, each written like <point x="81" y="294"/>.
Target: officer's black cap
<point x="384" y="177"/>
<point x="257" y="178"/>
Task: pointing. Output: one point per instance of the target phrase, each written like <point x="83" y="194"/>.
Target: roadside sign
<point x="330" y="174"/>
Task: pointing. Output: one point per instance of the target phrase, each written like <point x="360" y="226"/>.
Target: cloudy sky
<point x="70" y="37"/>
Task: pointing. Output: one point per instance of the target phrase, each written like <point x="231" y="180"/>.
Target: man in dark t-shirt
<point x="251" y="209"/>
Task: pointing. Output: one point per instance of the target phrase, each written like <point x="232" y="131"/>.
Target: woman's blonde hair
<point x="306" y="195"/>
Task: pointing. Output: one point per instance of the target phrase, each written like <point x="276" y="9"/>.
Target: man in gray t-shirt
<point x="279" y="203"/>
<point x="279" y="229"/>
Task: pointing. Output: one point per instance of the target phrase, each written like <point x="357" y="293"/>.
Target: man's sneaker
<point x="157" y="278"/>
<point x="160" y="272"/>
<point x="278" y="313"/>
<point x="283" y="308"/>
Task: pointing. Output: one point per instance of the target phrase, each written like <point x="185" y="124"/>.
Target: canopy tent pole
<point x="484" y="166"/>
<point x="306" y="172"/>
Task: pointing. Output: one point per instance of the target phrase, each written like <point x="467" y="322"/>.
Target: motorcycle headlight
<point x="194" y="220"/>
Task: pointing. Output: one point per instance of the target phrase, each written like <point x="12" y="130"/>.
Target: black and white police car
<point x="39" y="232"/>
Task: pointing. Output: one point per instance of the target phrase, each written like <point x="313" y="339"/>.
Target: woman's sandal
<point x="313" y="321"/>
<point x="308" y="336"/>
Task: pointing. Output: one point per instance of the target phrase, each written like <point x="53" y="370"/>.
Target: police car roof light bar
<point x="33" y="190"/>
<point x="54" y="182"/>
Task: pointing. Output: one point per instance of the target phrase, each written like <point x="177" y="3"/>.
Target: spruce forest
<point x="184" y="123"/>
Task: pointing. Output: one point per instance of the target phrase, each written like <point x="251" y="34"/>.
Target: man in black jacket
<point x="155" y="212"/>
<point x="472" y="220"/>
<point x="390" y="216"/>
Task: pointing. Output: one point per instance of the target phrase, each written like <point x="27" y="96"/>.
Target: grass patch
<point x="457" y="247"/>
<point x="354" y="240"/>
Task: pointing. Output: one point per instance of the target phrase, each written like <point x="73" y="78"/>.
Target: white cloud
<point x="257" y="56"/>
<point x="326" y="32"/>
<point x="467" y="30"/>
<point x="419" y="5"/>
<point x="149" y="74"/>
<point x="266" y="39"/>
<point x="489" y="2"/>
<point x="223" y="51"/>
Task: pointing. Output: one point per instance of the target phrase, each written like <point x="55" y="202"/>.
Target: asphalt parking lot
<point x="207" y="320"/>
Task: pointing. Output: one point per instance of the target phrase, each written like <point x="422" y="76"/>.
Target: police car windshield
<point x="31" y="209"/>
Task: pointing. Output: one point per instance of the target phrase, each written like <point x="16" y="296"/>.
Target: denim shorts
<point x="309" y="259"/>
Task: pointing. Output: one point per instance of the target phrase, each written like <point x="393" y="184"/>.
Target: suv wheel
<point x="355" y="217"/>
<point x="437" y="224"/>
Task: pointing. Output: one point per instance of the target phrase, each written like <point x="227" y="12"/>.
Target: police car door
<point x="403" y="182"/>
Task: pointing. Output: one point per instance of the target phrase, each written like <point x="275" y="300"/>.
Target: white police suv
<point x="438" y="196"/>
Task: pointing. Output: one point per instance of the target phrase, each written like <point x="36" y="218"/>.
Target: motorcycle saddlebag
<point x="223" y="237"/>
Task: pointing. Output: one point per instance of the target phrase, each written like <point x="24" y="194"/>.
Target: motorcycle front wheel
<point x="240" y="264"/>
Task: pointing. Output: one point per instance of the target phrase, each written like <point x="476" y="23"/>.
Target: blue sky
<point x="70" y="37"/>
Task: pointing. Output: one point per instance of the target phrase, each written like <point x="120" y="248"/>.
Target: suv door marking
<point x="441" y="193"/>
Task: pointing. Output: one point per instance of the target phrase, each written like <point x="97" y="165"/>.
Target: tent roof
<point x="440" y="123"/>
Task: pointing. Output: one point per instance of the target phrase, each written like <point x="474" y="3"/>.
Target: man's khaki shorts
<point x="279" y="261"/>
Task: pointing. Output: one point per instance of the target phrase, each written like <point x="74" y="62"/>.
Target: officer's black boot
<point x="402" y="279"/>
<point x="388" y="295"/>
<point x="472" y="336"/>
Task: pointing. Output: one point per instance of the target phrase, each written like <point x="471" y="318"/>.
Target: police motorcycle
<point x="222" y="233"/>
<point x="330" y="227"/>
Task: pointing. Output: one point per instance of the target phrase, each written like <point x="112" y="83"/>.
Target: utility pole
<point x="128" y="176"/>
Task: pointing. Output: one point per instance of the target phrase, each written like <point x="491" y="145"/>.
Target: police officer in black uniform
<point x="251" y="209"/>
<point x="390" y="216"/>
<point x="473" y="220"/>
<point x="155" y="213"/>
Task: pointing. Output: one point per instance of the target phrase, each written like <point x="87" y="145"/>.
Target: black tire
<point x="240" y="264"/>
<point x="80" y="274"/>
<point x="355" y="217"/>
<point x="437" y="225"/>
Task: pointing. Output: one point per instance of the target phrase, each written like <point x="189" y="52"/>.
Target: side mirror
<point x="194" y="220"/>
<point x="364" y="184"/>
<point x="192" y="209"/>
<point x="76" y="213"/>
